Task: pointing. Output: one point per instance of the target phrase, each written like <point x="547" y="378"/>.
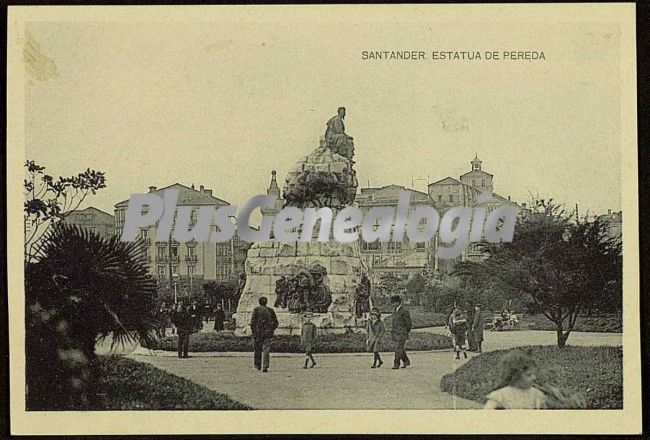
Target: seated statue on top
<point x="335" y="137"/>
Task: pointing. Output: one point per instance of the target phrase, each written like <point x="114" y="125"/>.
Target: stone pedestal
<point x="267" y="261"/>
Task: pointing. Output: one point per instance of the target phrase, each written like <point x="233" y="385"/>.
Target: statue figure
<point x="241" y="283"/>
<point x="335" y="137"/>
<point x="295" y="301"/>
<point x="362" y="297"/>
<point x="306" y="292"/>
<point x="320" y="298"/>
<point x="282" y="291"/>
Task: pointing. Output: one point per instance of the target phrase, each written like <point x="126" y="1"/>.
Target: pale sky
<point x="223" y="105"/>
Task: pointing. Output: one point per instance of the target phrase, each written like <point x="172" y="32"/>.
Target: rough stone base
<point x="267" y="261"/>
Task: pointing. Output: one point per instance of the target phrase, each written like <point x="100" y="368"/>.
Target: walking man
<point x="184" y="327"/>
<point x="219" y="318"/>
<point x="263" y="325"/>
<point x="477" y="327"/>
<point x="401" y="327"/>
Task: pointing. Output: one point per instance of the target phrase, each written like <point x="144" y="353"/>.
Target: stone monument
<point x="321" y="278"/>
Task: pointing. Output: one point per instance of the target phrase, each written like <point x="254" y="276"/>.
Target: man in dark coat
<point x="184" y="327"/>
<point x="219" y="318"/>
<point x="263" y="325"/>
<point x="470" y="335"/>
<point x="400" y="328"/>
<point x="478" y="324"/>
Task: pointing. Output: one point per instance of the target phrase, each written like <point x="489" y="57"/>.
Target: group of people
<point x="186" y="319"/>
<point x="467" y="329"/>
<point x="518" y="389"/>
<point x="203" y="312"/>
<point x="264" y="322"/>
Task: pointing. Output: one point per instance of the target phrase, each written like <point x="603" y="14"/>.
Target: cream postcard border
<point x="627" y="420"/>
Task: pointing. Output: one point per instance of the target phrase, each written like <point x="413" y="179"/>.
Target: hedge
<point x="610" y="323"/>
<point x="592" y="375"/>
<point x="130" y="385"/>
<point x="344" y="343"/>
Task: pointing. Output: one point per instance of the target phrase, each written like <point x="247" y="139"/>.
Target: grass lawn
<point x="345" y="343"/>
<point x="592" y="374"/>
<point x="602" y="323"/>
<point x="130" y="385"/>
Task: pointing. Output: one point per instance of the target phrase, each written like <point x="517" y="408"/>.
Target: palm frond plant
<point x="82" y="288"/>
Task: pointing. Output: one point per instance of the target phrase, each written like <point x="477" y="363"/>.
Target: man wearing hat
<point x="401" y="326"/>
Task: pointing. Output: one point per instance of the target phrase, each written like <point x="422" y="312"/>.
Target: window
<point x="174" y="251"/>
<point x="222" y="271"/>
<point x="94" y="230"/>
<point x="440" y="198"/>
<point x="451" y="198"/>
<point x="161" y="271"/>
<point x="483" y="182"/>
<point x="394" y="247"/>
<point x="473" y="182"/>
<point x="144" y="234"/>
<point x="370" y="246"/>
<point x="191" y="270"/>
<point x="191" y="251"/>
<point x="222" y="249"/>
<point x="162" y="252"/>
<point x="420" y="245"/>
<point x="174" y="270"/>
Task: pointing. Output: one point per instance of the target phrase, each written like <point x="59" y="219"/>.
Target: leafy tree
<point x="83" y="288"/>
<point x="49" y="200"/>
<point x="415" y="288"/>
<point x="224" y="293"/>
<point x="556" y="264"/>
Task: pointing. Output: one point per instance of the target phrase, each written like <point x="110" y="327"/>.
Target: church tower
<point x="476" y="163"/>
<point x="478" y="178"/>
<point x="273" y="190"/>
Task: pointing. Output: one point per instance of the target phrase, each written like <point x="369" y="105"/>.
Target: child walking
<point x="308" y="337"/>
<point x="375" y="329"/>
<point x="458" y="326"/>
<point x="517" y="390"/>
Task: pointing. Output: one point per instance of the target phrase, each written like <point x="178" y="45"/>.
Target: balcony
<point x="161" y="258"/>
<point x="175" y="258"/>
<point x="191" y="258"/>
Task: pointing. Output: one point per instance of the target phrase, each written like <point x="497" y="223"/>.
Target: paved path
<point x="337" y="382"/>
<point x="344" y="381"/>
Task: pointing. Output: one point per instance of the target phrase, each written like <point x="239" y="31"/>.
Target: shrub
<point x="422" y="318"/>
<point x="593" y="375"/>
<point x="345" y="343"/>
<point x="130" y="385"/>
<point x="82" y="287"/>
<point x="610" y="323"/>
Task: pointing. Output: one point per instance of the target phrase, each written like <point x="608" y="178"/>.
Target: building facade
<point x="92" y="219"/>
<point x="614" y="222"/>
<point x="394" y="257"/>
<point x="190" y="264"/>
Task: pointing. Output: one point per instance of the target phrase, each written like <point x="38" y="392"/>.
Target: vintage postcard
<point x="323" y="219"/>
